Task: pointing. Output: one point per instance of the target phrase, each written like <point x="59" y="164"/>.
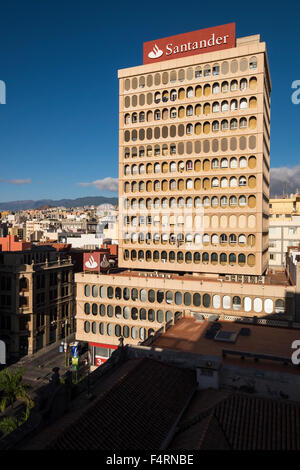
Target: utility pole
<point x="66" y="345"/>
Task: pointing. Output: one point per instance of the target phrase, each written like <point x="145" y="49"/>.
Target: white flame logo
<point x="155" y="53"/>
<point x="91" y="263"/>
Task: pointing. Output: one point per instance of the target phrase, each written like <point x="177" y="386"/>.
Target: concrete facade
<point x="284" y="228"/>
<point x="36" y="301"/>
<point x="194" y="137"/>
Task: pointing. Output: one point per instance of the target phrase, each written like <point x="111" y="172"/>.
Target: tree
<point x="12" y="389"/>
<point x="8" y="425"/>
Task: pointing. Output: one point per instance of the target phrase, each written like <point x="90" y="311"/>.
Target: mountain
<point x="79" y="202"/>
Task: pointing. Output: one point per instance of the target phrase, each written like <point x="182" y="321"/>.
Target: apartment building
<point x="284" y="228"/>
<point x="194" y="127"/>
<point x="36" y="296"/>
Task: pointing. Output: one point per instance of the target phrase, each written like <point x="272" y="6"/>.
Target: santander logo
<point x="192" y="43"/>
<point x="91" y="263"/>
<point x="155" y="53"/>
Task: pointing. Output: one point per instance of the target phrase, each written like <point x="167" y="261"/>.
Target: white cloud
<point x="284" y="180"/>
<point x="107" y="184"/>
<point x="19" y="181"/>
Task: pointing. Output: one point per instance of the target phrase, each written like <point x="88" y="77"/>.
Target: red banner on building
<point x="187" y="44"/>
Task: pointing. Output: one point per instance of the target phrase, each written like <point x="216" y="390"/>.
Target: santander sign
<point x="187" y="44"/>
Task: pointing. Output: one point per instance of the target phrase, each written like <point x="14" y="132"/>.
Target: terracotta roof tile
<point x="136" y="413"/>
<point x="243" y="422"/>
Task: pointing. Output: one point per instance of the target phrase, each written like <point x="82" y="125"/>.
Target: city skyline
<point x="59" y="124"/>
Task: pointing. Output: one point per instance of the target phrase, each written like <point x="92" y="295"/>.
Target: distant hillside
<point x="81" y="201"/>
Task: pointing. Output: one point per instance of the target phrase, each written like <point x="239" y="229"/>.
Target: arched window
<point x="243" y="103"/>
<point x="142" y="334"/>
<point x="206" y="300"/>
<point x="279" y="306"/>
<point x="118" y="330"/>
<point x="110" y="292"/>
<point x="236" y="303"/>
<point x="102" y="310"/>
<point x="110" y="311"/>
<point x="160" y="296"/>
<point x="190" y="92"/>
<point x="233" y="124"/>
<point x="233" y="163"/>
<point x="87" y="290"/>
<point x="151" y="295"/>
<point x="134" y="313"/>
<point x="224" y="201"/>
<point x="94" y="309"/>
<point x="234" y="85"/>
<point x="215" y="126"/>
<point x="187" y="299"/>
<point x="197" y="300"/>
<point x="178" y="298"/>
<point x="253" y="63"/>
<point x="189" y="110"/>
<point x="151" y="315"/>
<point x="125" y="331"/>
<point x="86" y="326"/>
<point x="143" y="314"/>
<point x="168" y="316"/>
<point x="189" y="128"/>
<point x="226" y="302"/>
<point x="126" y="313"/>
<point x="87" y="309"/>
<point x="216" y="88"/>
<point x="243" y="123"/>
<point x="118" y="312"/>
<point x="216" y="301"/>
<point x="243" y="84"/>
<point x="160" y="316"/>
<point x="126" y="293"/>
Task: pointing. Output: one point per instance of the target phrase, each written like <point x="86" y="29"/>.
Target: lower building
<point x="135" y="305"/>
<point x="284" y="228"/>
<point x="36" y="297"/>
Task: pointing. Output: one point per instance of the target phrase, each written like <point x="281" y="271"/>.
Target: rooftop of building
<point x="167" y="412"/>
<point x="188" y="335"/>
<point x="275" y="277"/>
<point x="244" y="45"/>
<point x="137" y="409"/>
<point x="222" y="420"/>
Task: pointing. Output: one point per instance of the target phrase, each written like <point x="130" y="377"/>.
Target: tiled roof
<point x="136" y="413"/>
<point x="254" y="423"/>
<point x="242" y="422"/>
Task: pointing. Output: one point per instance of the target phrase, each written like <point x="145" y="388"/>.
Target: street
<point x="39" y="367"/>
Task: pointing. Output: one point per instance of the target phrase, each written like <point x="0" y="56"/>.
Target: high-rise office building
<point x="194" y="155"/>
<point x="194" y="124"/>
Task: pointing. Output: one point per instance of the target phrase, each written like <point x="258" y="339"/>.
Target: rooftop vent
<point x="227" y="336"/>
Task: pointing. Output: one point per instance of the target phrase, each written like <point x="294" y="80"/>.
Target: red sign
<point x="91" y="261"/>
<point x="100" y="360"/>
<point x="187" y="44"/>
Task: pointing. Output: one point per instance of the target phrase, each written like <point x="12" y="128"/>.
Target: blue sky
<point x="59" y="60"/>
